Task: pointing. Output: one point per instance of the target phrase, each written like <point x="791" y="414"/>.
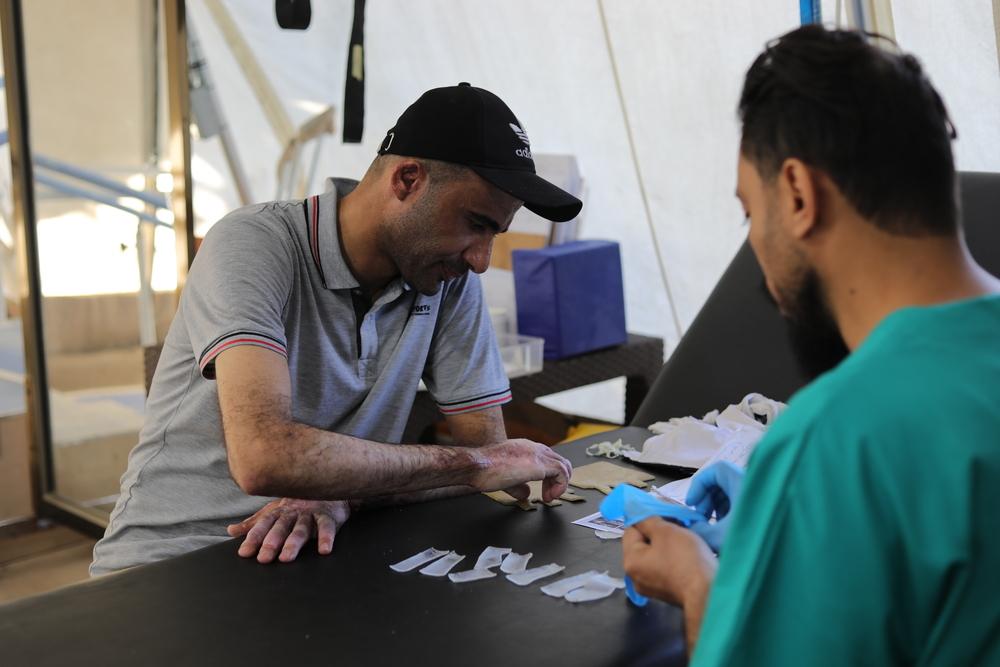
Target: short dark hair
<point x="440" y="172"/>
<point x="867" y="117"/>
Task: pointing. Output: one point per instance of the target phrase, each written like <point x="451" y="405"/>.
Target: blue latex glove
<point x="715" y="491"/>
<point x="631" y="505"/>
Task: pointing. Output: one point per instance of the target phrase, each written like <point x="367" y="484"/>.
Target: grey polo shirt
<point x="273" y="275"/>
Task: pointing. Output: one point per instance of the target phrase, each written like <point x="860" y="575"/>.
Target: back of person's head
<point x="868" y="118"/>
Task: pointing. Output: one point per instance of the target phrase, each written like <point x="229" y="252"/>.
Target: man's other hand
<point x="283" y="526"/>
<point x="513" y="462"/>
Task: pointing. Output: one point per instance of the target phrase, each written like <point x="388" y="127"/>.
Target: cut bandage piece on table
<point x="608" y="534"/>
<point x="534" y="574"/>
<point x="471" y="575"/>
<point x="443" y="565"/>
<point x="604" y="476"/>
<point x="595" y="588"/>
<point x="515" y="563"/>
<point x="416" y="560"/>
<point x="534" y="496"/>
<point x="558" y="589"/>
<point x="491" y="557"/>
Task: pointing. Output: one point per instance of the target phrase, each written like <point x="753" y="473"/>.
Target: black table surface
<point x="349" y="608"/>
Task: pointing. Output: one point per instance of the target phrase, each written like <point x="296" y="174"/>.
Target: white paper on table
<point x="596" y="521"/>
<point x="416" y="560"/>
<point x="676" y="491"/>
<point x="749" y="410"/>
<point x="608" y="534"/>
<point x="534" y="574"/>
<point x="692" y="443"/>
<point x="471" y="575"/>
<point x="443" y="565"/>
<point x="560" y="588"/>
<point x="737" y="452"/>
<point x="685" y="442"/>
<point x="491" y="557"/>
<point x="515" y="563"/>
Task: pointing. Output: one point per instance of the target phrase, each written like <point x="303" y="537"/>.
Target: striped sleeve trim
<point x="477" y="403"/>
<point x="234" y="339"/>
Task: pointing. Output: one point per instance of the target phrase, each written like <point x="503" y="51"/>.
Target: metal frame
<point x="179" y="133"/>
<point x="996" y="27"/>
<point x="23" y="195"/>
<point x="872" y="16"/>
<point x="47" y="502"/>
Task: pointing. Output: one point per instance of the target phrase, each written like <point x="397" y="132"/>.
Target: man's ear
<point x="407" y="178"/>
<point x="798" y="194"/>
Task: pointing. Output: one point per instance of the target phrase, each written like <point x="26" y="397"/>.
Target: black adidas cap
<point x="473" y="127"/>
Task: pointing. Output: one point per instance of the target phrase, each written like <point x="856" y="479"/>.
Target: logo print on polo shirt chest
<point x="421" y="310"/>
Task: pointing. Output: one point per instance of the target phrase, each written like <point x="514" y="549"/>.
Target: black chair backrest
<point x="738" y="342"/>
<point x="980" y="197"/>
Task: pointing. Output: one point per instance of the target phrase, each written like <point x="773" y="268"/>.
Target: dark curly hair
<point x="849" y="104"/>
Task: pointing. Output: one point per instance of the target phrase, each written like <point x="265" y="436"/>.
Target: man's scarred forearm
<point x="291" y="459"/>
<point x="410" y="498"/>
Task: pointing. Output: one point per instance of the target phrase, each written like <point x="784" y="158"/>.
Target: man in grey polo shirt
<point x="302" y="334"/>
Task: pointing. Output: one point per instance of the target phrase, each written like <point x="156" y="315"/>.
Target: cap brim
<point x="539" y="196"/>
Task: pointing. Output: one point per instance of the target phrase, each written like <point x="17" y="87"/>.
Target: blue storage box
<point x="571" y="295"/>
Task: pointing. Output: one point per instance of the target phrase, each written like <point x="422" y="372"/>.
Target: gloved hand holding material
<point x="631" y="505"/>
<point x="714" y="492"/>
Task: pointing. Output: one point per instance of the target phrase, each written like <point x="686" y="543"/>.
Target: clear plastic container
<point x="522" y="355"/>
<point x="501" y="320"/>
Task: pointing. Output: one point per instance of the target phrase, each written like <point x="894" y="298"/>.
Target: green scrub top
<point x="868" y="531"/>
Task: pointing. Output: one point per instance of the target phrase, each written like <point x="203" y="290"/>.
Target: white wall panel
<point x="548" y="61"/>
<point x="682" y="65"/>
<point x="956" y="43"/>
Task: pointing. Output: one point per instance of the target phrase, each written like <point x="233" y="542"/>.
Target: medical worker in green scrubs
<point x="866" y="530"/>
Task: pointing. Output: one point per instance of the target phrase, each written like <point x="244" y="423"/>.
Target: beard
<point x="813" y="332"/>
<point x="407" y="241"/>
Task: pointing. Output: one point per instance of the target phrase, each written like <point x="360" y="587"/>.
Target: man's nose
<point x="477" y="255"/>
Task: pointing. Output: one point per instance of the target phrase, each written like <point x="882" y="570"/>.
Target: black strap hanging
<point x="354" y="87"/>
<point x="293" y="14"/>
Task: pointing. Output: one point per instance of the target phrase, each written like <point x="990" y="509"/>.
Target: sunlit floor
<point x="36" y="559"/>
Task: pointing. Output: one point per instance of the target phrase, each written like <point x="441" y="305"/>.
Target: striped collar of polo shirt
<point x="324" y="243"/>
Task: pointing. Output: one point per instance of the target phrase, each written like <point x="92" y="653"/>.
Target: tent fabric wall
<point x="956" y="43"/>
<point x="680" y="66"/>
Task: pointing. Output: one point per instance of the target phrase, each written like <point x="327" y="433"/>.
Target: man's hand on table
<point x="508" y="465"/>
<point x="672" y="564"/>
<point x="283" y="526"/>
